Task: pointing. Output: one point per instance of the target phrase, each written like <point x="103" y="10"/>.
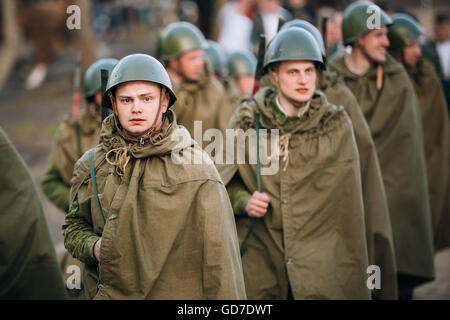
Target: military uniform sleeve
<point x="79" y="237"/>
<point x="54" y="187"/>
<point x="238" y="194"/>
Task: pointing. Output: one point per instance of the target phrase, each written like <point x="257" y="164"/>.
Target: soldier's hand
<point x="97" y="247"/>
<point x="257" y="205"/>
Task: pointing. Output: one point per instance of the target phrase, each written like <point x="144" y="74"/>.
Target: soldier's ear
<point x="165" y="100"/>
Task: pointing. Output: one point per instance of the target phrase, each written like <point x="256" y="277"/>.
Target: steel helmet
<point x="361" y="17"/>
<point x="92" y="76"/>
<point x="138" y="67"/>
<point x="180" y="37"/>
<point x="404" y="31"/>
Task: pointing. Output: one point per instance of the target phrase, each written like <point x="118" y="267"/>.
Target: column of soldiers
<point x="362" y="146"/>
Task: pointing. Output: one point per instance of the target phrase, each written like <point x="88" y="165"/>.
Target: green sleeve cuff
<point x="238" y="194"/>
<point x="241" y="203"/>
<point x="79" y="238"/>
<point x="88" y="249"/>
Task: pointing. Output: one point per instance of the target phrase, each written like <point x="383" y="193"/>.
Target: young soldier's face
<point x="245" y="84"/>
<point x="412" y="54"/>
<point x="190" y="65"/>
<point x="297" y="79"/>
<point x="136" y="105"/>
<point x="375" y="43"/>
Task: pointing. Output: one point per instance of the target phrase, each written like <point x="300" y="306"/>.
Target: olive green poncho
<point x="378" y="226"/>
<point x="380" y="241"/>
<point x="393" y="116"/>
<point x="313" y="235"/>
<point x="435" y="124"/>
<point x="28" y="265"/>
<point x="169" y="231"/>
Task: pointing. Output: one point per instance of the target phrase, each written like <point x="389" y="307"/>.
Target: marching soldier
<point x="147" y="226"/>
<point x="200" y="94"/>
<point x="241" y="68"/>
<point x="238" y="84"/>
<point x="404" y="37"/>
<point x="217" y="59"/>
<point x="378" y="226"/>
<point x="74" y="137"/>
<point x="307" y="238"/>
<point x="387" y="99"/>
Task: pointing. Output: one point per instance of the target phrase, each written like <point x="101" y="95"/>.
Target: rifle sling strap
<point x="94" y="186"/>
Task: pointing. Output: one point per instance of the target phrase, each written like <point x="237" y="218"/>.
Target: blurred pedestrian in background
<point x="438" y="52"/>
<point x="300" y="9"/>
<point x="235" y="24"/>
<point x="267" y="21"/>
<point x="333" y="37"/>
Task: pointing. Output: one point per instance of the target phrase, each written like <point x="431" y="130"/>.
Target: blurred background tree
<point x="10" y="38"/>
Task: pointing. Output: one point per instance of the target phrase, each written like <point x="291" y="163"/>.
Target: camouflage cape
<point x="234" y="98"/>
<point x="313" y="233"/>
<point x="200" y="101"/>
<point x="56" y="182"/>
<point x="394" y="121"/>
<point x="169" y="231"/>
<point x="435" y="124"/>
<point x="28" y="265"/>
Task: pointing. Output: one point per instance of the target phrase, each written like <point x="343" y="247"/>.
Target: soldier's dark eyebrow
<point x="140" y="95"/>
<point x="151" y="94"/>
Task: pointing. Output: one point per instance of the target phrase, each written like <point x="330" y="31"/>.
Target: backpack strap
<point x="243" y="247"/>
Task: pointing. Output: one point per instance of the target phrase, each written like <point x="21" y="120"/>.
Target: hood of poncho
<point x="163" y="144"/>
<point x="317" y="112"/>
